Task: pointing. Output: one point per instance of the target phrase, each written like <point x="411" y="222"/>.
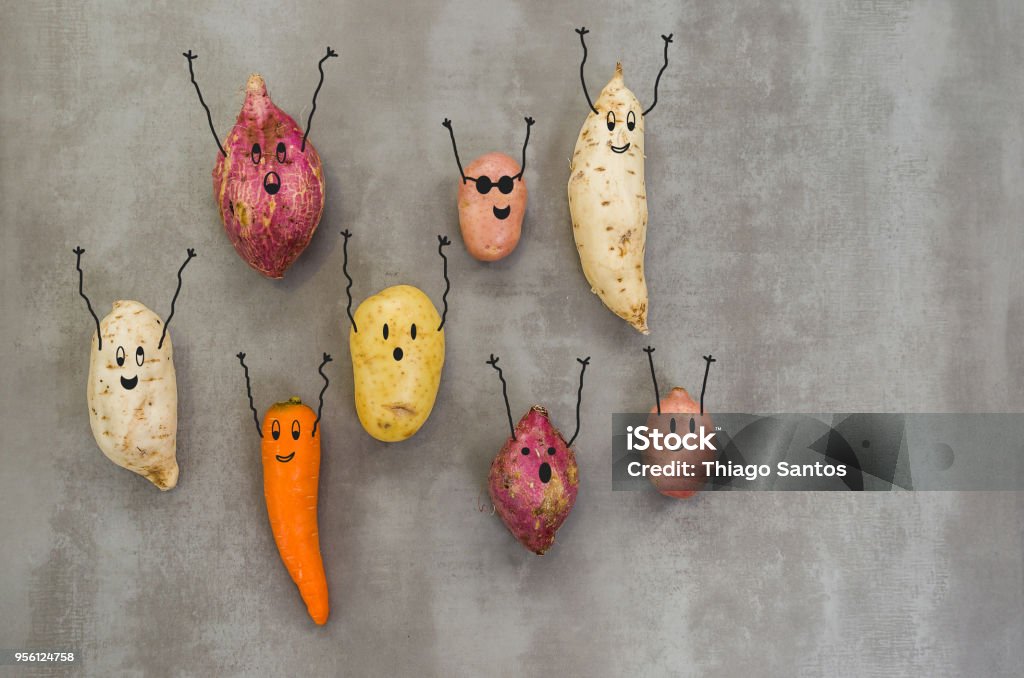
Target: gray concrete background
<point x="835" y="213"/>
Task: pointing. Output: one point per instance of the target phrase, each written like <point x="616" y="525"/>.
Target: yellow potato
<point x="397" y="358"/>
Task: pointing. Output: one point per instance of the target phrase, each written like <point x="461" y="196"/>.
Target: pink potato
<point x="533" y="481"/>
<point x="492" y="222"/>
<point x="269" y="190"/>
<point x="678" y="402"/>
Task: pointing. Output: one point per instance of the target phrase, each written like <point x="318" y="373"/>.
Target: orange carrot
<point x="291" y="474"/>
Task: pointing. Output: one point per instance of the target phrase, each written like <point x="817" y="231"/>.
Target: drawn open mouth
<point x="401" y="409"/>
<point x="271" y="183"/>
<point x="621" y="149"/>
<point x="544" y="472"/>
<point x="502" y="213"/>
<point x="284" y="460"/>
<point x="129" y="384"/>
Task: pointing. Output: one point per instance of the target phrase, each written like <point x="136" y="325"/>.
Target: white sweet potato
<point x="608" y="202"/>
<point x="133" y="394"/>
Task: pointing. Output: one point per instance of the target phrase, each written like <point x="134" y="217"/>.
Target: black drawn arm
<point x="248" y="390"/>
<point x="493" y="362"/>
<point x="320" y="410"/>
<point x="522" y="167"/>
<point x="209" y="118"/>
<point x="78" y="264"/>
<point x="442" y="242"/>
<point x="348" y="288"/>
<point x="650" y="359"/>
<point x="309" y="121"/>
<point x="708" y="359"/>
<point x="191" y="253"/>
<point x="579" y="397"/>
<point x="667" y="39"/>
<point x="583" y="31"/>
<point x="448" y="123"/>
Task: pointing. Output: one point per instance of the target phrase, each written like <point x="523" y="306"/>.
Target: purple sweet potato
<point x="533" y="481"/>
<point x="269" y="189"/>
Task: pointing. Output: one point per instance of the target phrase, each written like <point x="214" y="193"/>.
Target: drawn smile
<point x="284" y="460"/>
<point x="129" y="384"/>
<point x="621" y="149"/>
<point x="502" y="213"/>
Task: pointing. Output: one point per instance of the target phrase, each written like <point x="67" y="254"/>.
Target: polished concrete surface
<point x="835" y="212"/>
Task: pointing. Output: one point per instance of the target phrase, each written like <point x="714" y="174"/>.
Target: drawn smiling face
<point x="498" y="189"/>
<point x="288" y="431"/>
<point x="618" y="125"/>
<point x="397" y="357"/>
<point x="131" y="351"/>
<point x="275" y="434"/>
<point x="121" y="357"/>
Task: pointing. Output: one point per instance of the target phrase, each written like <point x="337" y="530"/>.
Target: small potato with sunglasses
<point x="492" y="201"/>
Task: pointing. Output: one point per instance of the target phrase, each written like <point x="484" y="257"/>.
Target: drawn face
<point x="397" y="357"/>
<point x="618" y="126"/>
<point x="287" y="429"/>
<point x="275" y="434"/>
<point x="269" y="190"/>
<point x="539" y="451"/>
<point x="498" y="190"/>
<point x="121" y="357"/>
<point x="535" y="462"/>
<point x="129" y="359"/>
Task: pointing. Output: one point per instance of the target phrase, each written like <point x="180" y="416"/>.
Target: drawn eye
<point x="120" y="356"/>
<point x="412" y="331"/>
<point x="483" y="185"/>
<point x="140" y="356"/>
<point x="275" y="429"/>
<point x="505" y="185"/>
<point x="385" y="331"/>
<point x="611" y="121"/>
<point x="525" y="451"/>
<point x="295" y="429"/>
<point x="551" y="451"/>
<point x="631" y="121"/>
<point x="282" y="152"/>
<point x="256" y="154"/>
